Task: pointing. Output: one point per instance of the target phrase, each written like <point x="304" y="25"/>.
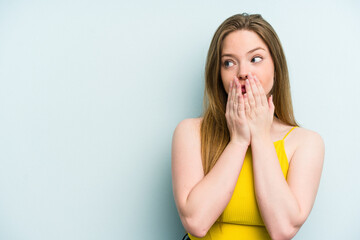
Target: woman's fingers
<point x="249" y="100"/>
<point x="241" y="109"/>
<point x="247" y="107"/>
<point x="230" y="106"/>
<point x="261" y="91"/>
<point x="236" y="102"/>
<point x="229" y="97"/>
<point x="255" y="91"/>
<point x="233" y="94"/>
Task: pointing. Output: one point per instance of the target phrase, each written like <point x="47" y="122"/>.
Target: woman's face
<point x="244" y="52"/>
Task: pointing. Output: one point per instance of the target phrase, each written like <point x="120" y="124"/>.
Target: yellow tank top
<point x="241" y="218"/>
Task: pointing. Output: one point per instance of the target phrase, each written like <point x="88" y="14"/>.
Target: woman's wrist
<point x="239" y="143"/>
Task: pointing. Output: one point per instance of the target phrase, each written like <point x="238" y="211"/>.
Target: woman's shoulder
<point x="298" y="139"/>
<point x="186" y="139"/>
<point x="305" y="134"/>
<point x="192" y="123"/>
<point x="296" y="133"/>
<point x="313" y="139"/>
<point x="303" y="140"/>
<point x="189" y="127"/>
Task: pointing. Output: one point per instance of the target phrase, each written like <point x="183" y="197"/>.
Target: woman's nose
<point x="243" y="71"/>
<point x="243" y="76"/>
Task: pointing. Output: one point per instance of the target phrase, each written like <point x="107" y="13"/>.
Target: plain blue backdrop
<point x="91" y="92"/>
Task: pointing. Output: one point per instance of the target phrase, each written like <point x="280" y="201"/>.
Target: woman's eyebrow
<point x="253" y="50"/>
<point x="256" y="49"/>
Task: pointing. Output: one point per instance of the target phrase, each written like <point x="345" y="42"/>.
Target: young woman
<point x="245" y="170"/>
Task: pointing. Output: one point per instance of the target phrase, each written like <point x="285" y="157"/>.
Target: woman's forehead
<point x="242" y="42"/>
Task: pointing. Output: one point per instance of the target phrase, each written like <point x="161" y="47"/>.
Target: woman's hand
<point x="235" y="115"/>
<point x="259" y="111"/>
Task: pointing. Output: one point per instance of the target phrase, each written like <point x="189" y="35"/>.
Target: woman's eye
<point x="256" y="59"/>
<point x="228" y="63"/>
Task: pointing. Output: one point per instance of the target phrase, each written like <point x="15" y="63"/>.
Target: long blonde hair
<point x="214" y="131"/>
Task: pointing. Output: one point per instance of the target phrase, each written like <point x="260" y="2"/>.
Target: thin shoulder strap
<point x="289" y="132"/>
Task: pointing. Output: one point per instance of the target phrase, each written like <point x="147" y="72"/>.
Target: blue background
<point x="91" y="92"/>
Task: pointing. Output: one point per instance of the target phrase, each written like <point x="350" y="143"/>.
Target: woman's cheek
<point x="226" y="86"/>
<point x="226" y="82"/>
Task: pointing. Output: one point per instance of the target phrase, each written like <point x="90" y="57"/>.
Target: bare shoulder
<point x="306" y="136"/>
<point x="298" y="139"/>
<point x="186" y="141"/>
<point x="186" y="164"/>
<point x="188" y="126"/>
<point x="305" y="169"/>
<point x="308" y="142"/>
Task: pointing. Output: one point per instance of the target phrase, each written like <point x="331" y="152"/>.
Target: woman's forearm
<point x="279" y="208"/>
<point x="208" y="199"/>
